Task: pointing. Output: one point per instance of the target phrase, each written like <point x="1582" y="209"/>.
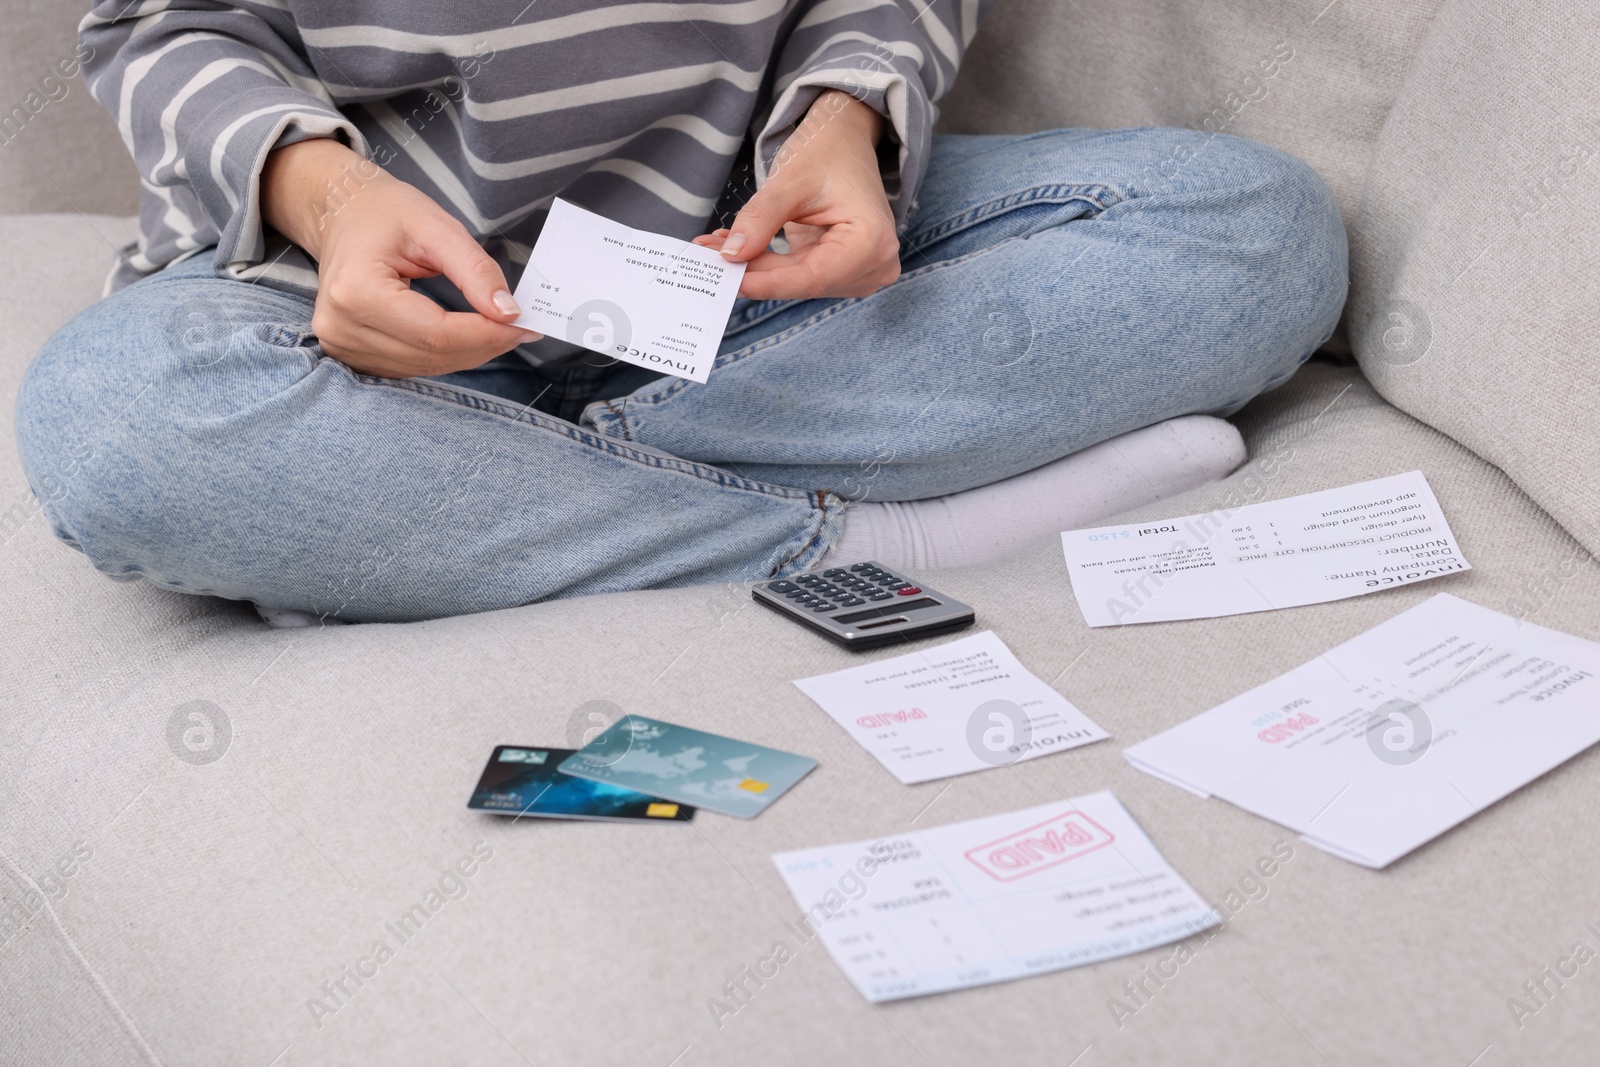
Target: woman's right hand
<point x="369" y="242"/>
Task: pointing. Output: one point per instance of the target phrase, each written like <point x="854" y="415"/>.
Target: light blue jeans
<point x="1058" y="289"/>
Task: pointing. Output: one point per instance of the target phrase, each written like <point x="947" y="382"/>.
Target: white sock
<point x="993" y="521"/>
<point x="290" y="619"/>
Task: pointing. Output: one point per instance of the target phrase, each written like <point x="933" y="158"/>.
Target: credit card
<point x="523" y="780"/>
<point x="688" y="766"/>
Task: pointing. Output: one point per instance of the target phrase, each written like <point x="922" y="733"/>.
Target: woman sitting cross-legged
<point x="305" y="389"/>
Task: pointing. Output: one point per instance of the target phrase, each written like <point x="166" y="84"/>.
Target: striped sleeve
<point x="201" y="92"/>
<point x="896" y="56"/>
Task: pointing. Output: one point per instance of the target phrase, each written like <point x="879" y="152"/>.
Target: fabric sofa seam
<point x="123" y="1018"/>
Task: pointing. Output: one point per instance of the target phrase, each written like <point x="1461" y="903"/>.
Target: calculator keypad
<point x="862" y="605"/>
<point x="837" y="587"/>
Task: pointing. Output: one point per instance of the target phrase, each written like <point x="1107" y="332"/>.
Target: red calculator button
<point x="910" y="590"/>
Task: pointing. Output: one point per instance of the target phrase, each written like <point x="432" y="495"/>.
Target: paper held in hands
<point x="637" y="296"/>
<point x="1281" y="554"/>
<point x="992" y="899"/>
<point x="964" y="706"/>
<point x="1392" y="738"/>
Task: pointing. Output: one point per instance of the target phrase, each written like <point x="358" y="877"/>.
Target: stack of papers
<point x="964" y="706"/>
<point x="992" y="899"/>
<point x="1308" y="549"/>
<point x="1392" y="738"/>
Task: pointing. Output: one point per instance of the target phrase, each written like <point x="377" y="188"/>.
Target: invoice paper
<point x="963" y="706"/>
<point x="1303" y="550"/>
<point x="992" y="899"/>
<point x="1392" y="738"/>
<point x="636" y="296"/>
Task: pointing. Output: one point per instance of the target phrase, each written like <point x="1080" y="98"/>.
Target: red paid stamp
<point x="1055" y="841"/>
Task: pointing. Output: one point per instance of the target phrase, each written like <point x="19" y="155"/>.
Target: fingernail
<point x="503" y="300"/>
<point x="528" y="337"/>
<point x="733" y="245"/>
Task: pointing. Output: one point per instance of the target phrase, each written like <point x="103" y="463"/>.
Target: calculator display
<point x="891" y="609"/>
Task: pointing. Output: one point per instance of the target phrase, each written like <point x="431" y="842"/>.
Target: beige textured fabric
<point x="219" y="898"/>
<point x="1315" y="78"/>
<point x="59" y="150"/>
<point x="1477" y="248"/>
<point x="207" y="903"/>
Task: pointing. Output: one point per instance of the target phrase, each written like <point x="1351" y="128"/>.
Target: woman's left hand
<point x="826" y="195"/>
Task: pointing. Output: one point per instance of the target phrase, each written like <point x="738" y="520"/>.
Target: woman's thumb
<point x="757" y="224"/>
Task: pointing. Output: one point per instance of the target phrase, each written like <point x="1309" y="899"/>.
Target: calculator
<point x="864" y="605"/>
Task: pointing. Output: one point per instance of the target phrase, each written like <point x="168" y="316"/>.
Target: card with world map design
<point x="689" y="766"/>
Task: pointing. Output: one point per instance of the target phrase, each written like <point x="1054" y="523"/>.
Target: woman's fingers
<point x="844" y="262"/>
<point x="366" y="313"/>
<point x="447" y="248"/>
<point x="379" y="325"/>
<point x="438" y="341"/>
<point x="763" y="215"/>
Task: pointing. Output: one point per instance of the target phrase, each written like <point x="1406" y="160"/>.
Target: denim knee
<point x="1313" y="230"/>
<point x="1295" y="210"/>
<point x="1287" y="220"/>
<point x="89" y="432"/>
<point x="60" y="408"/>
<point x="53" y="451"/>
<point x="121" y="418"/>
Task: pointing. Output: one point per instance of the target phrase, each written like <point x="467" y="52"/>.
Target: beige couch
<point x="159" y="910"/>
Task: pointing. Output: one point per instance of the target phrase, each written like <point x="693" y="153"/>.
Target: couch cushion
<point x="1314" y="79"/>
<point x="59" y="149"/>
<point x="1476" y="249"/>
<point x="221" y="894"/>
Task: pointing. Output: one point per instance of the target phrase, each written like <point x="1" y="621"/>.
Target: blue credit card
<point x="688" y="766"/>
<point x="522" y="780"/>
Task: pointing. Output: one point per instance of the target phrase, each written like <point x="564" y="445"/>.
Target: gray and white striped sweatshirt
<point x="656" y="114"/>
